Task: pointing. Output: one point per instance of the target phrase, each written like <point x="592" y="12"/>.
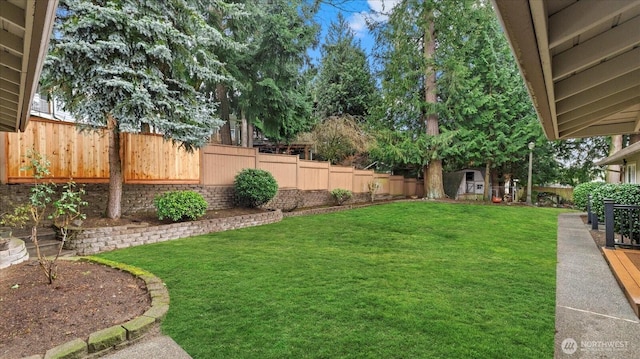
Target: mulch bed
<point x="86" y="297"/>
<point x="598" y="237"/>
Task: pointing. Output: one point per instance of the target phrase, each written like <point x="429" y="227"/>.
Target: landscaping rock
<point x="106" y="338"/>
<point x="75" y="349"/>
<point x="138" y="327"/>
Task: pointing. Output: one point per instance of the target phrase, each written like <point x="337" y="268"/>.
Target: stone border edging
<point x="118" y="336"/>
<point x="15" y="253"/>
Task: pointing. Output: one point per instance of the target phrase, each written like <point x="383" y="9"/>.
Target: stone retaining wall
<point x="139" y="197"/>
<point x="89" y="241"/>
<point x="344" y="207"/>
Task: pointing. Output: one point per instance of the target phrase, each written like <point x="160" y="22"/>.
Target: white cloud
<point x="358" y="23"/>
<point x="383" y="7"/>
<point x="380" y="10"/>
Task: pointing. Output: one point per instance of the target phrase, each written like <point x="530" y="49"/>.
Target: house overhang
<point x="580" y="61"/>
<point x="25" y="30"/>
<point x="622" y="156"/>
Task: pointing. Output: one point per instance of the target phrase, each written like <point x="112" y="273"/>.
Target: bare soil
<point x="86" y="297"/>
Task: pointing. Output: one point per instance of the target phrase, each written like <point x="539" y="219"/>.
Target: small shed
<point x="466" y="184"/>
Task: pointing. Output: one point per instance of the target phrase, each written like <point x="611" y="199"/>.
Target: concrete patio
<point x="593" y="317"/>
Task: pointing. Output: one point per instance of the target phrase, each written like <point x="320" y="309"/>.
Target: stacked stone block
<point x="95" y="240"/>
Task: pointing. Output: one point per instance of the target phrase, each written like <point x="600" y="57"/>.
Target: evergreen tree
<point x="484" y="97"/>
<point x="272" y="89"/>
<point x="125" y="64"/>
<point x="407" y="117"/>
<point x="345" y="85"/>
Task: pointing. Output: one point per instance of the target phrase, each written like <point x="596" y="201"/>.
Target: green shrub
<point x="620" y="193"/>
<point x="581" y="193"/>
<point x="625" y="221"/>
<point x="340" y="195"/>
<point x="254" y="187"/>
<point x="180" y="205"/>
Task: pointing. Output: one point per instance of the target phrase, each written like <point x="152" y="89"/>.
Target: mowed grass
<point x="403" y="280"/>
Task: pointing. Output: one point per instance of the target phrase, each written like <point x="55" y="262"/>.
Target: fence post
<point x="589" y="209"/>
<point x="609" y="223"/>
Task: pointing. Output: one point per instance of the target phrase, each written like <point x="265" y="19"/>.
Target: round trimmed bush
<point x="340" y="195"/>
<point x="254" y="187"/>
<point x="180" y="205"/>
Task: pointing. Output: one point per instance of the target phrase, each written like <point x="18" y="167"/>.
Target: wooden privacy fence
<point x="84" y="156"/>
<point x="221" y="163"/>
<point x="149" y="159"/>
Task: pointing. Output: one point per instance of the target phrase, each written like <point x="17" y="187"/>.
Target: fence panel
<point x="361" y="179"/>
<point x="284" y="168"/>
<point x="313" y="175"/>
<point x="82" y="156"/>
<point x="396" y="185"/>
<point x="341" y="177"/>
<point x="410" y="187"/>
<point x="3" y="157"/>
<point x="148" y="158"/>
<point x="420" y="188"/>
<point x="221" y="164"/>
<point x="383" y="182"/>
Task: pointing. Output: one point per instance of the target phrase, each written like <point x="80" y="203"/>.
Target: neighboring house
<point x="43" y="107"/>
<point x="628" y="159"/>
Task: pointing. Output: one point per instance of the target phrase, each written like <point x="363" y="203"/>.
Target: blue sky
<point x="355" y="11"/>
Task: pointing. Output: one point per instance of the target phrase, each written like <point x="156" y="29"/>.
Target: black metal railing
<point x="592" y="217"/>
<point x="622" y="224"/>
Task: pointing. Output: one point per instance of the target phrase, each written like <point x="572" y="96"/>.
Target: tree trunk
<point x="250" y="134"/>
<point x="614" y="172"/>
<point x="145" y="128"/>
<point x="225" y="130"/>
<point x="115" y="170"/>
<point x="487" y="188"/>
<point x="243" y="131"/>
<point x="433" y="186"/>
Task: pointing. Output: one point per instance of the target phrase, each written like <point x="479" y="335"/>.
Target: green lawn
<point x="403" y="280"/>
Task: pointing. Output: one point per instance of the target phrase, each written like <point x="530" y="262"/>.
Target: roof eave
<point x="515" y="16"/>
<point x="37" y="43"/>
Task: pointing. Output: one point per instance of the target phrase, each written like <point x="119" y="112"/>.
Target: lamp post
<point x="531" y="146"/>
